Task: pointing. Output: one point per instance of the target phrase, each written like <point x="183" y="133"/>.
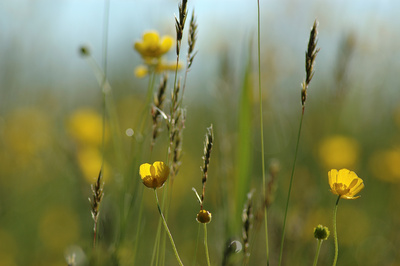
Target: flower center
<point x="341" y="189"/>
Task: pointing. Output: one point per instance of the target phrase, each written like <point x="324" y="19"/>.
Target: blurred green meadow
<point x="51" y="131"/>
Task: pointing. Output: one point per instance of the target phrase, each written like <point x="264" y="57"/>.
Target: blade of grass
<point x="243" y="162"/>
<point x="262" y="130"/>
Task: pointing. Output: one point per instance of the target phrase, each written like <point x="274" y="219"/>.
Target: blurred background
<point x="51" y="124"/>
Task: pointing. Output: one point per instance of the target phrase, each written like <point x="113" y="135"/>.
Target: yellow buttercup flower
<point x="143" y="70"/>
<point x="154" y="176"/>
<point x="152" y="46"/>
<point x="345" y="183"/>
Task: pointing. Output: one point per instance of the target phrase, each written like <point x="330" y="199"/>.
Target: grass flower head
<point x="345" y="183"/>
<point x="154" y="175"/>
<point x="152" y="47"/>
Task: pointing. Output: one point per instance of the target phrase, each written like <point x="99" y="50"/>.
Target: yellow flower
<point x="204" y="217"/>
<point x="345" y="183"/>
<point x="338" y="151"/>
<point x="154" y="176"/>
<point x="385" y="165"/>
<point x="86" y="126"/>
<point x="143" y="70"/>
<point x="152" y="47"/>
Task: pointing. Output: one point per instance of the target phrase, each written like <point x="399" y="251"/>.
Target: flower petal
<point x="332" y="176"/>
<point x="144" y="170"/>
<point x="166" y="44"/>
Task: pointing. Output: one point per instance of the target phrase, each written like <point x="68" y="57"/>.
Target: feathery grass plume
<point x="192" y="40"/>
<point x="157" y="108"/>
<point x="177" y="145"/>
<point x="175" y="127"/>
<point x="180" y="24"/>
<point x="247" y="218"/>
<point x="311" y="53"/>
<point x="95" y="201"/>
<point x="208" y="143"/>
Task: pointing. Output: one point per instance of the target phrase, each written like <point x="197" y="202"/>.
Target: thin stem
<point x="167" y="229"/>
<point x="335" y="233"/>
<point x="262" y="129"/>
<point x="206" y="245"/>
<point x="290" y="186"/>
<point x="317" y="253"/>
<point x="197" y="244"/>
<point x="94" y="233"/>
<point x="138" y="225"/>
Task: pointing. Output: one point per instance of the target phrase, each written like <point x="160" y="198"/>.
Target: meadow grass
<point x="246" y="212"/>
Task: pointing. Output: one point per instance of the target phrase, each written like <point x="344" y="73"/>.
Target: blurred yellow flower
<point x="338" y="152"/>
<point x="152" y="47"/>
<point x="86" y="126"/>
<point x="385" y="165"/>
<point x="89" y="160"/>
<point x="154" y="176"/>
<point x="59" y="228"/>
<point x="345" y="183"/>
<point x="143" y="70"/>
<point x="27" y="131"/>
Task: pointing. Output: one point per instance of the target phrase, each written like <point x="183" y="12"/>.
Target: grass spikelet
<point x="247" y="218"/>
<point x="180" y="24"/>
<point x="310" y="58"/>
<point x="311" y="54"/>
<point x="192" y="40"/>
<point x="157" y="107"/>
<point x="177" y="145"/>
<point x="95" y="201"/>
<point x="208" y="143"/>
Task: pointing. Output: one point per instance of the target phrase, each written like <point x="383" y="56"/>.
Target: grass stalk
<point x="167" y="230"/>
<point x="311" y="54"/>
<point x="262" y="128"/>
<point x="319" y="243"/>
<point x="206" y="244"/>
<point x="290" y="187"/>
<point x="197" y="245"/>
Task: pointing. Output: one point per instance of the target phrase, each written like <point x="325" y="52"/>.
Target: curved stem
<point x="335" y="233"/>
<point x="317" y="253"/>
<point x="206" y="245"/>
<point x="167" y="230"/>
<point x="290" y="187"/>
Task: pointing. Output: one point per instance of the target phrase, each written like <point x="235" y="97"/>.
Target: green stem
<point x="167" y="229"/>
<point x="262" y="129"/>
<point x="206" y="245"/>
<point x="197" y="244"/>
<point x="290" y="187"/>
<point x="335" y="233"/>
<point x="138" y="226"/>
<point x="317" y="254"/>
